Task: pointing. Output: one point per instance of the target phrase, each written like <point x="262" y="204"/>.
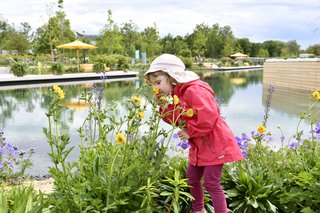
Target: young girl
<point x="212" y="142"/>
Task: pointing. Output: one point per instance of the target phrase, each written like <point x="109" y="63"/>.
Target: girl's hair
<point x="152" y="75"/>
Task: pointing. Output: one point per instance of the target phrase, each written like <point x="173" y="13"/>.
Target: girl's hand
<point x="183" y="135"/>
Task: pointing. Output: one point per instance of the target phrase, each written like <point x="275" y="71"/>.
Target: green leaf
<point x="253" y="202"/>
<point x="272" y="207"/>
<point x="307" y="210"/>
<point x="232" y="193"/>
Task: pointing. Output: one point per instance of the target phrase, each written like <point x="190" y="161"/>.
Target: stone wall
<point x="298" y="74"/>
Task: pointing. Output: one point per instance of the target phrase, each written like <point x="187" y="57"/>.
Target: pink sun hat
<point x="173" y="66"/>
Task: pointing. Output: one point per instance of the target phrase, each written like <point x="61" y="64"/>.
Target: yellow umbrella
<point x="77" y="105"/>
<point x="77" y="45"/>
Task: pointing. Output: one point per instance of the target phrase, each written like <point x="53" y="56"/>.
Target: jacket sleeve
<point x="170" y="114"/>
<point x="202" y="101"/>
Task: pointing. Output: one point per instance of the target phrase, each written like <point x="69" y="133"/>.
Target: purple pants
<point x="212" y="178"/>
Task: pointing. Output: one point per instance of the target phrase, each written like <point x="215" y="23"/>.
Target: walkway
<point x="9" y="81"/>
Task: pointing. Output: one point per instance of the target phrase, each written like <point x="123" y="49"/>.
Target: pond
<point x="242" y="94"/>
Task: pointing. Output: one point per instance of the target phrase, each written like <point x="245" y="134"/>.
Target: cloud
<point x="259" y="21"/>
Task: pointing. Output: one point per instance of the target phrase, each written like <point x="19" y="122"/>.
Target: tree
<point x="109" y="40"/>
<point x="263" y="53"/>
<point x="129" y="35"/>
<point x="57" y="31"/>
<point x="314" y="49"/>
<point x="18" y="41"/>
<point x="167" y="44"/>
<point x="229" y="41"/>
<point x="214" y="43"/>
<point x="228" y="47"/>
<point x="11" y="39"/>
<point x="293" y="48"/>
<point x="255" y="48"/>
<point x="151" y="40"/>
<point x="199" y="39"/>
<point x="245" y="45"/>
<point x="180" y="47"/>
<point x="274" y="48"/>
<point x="5" y="31"/>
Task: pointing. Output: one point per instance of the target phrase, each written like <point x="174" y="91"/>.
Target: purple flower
<point x="293" y="145"/>
<point x="245" y="137"/>
<point x="1" y="165"/>
<point x="244" y="146"/>
<point x="238" y="140"/>
<point x="184" y="144"/>
<point x="13" y="153"/>
<point x="1" y="151"/>
<point x="282" y="138"/>
<point x="244" y="153"/>
<point x="175" y="136"/>
<point x="9" y="146"/>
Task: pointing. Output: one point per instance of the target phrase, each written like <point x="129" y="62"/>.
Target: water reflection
<point x="225" y="84"/>
<point x="290" y="101"/>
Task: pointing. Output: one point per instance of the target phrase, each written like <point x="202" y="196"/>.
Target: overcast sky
<point x="257" y="20"/>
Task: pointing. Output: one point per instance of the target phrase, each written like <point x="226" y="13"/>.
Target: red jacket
<point x="212" y="142"/>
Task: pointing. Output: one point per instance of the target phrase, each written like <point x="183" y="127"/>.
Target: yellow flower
<point x="162" y="98"/>
<point x="61" y="95"/>
<point x="261" y="129"/>
<point x="120" y="139"/>
<point x="141" y="115"/>
<point x="156" y="91"/>
<point x="176" y="100"/>
<point x="55" y="88"/>
<point x="136" y="99"/>
<point x="316" y="95"/>
<point x="147" y="81"/>
<point x="190" y="113"/>
<point x="58" y="91"/>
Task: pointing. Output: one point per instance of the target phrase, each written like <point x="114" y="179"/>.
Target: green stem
<point x="110" y="177"/>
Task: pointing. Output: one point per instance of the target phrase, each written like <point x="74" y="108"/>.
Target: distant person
<point x="55" y="55"/>
<point x="211" y="141"/>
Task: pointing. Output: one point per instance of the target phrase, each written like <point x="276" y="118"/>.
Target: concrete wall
<point x="298" y="74"/>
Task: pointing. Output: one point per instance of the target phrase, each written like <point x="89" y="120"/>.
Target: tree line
<point x="207" y="41"/>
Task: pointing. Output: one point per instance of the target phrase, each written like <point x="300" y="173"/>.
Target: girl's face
<point x="162" y="83"/>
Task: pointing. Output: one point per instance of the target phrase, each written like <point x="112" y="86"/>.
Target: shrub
<point x="57" y="68"/>
<point x="19" y="69"/>
<point x="98" y="67"/>
<point x="188" y="61"/>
